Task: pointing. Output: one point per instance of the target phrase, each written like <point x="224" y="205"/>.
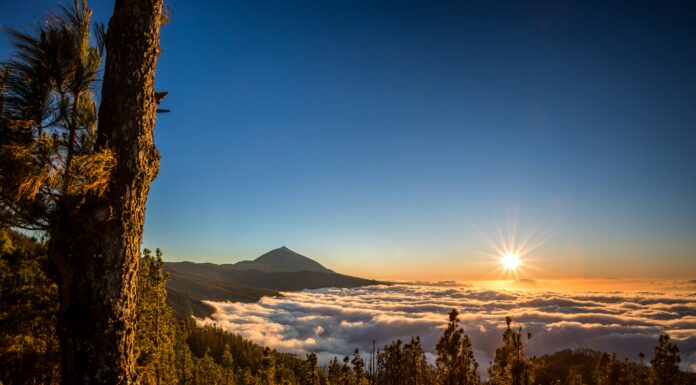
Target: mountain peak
<point x="282" y="259"/>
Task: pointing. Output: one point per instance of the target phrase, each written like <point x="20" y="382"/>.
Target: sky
<point x="397" y="139"/>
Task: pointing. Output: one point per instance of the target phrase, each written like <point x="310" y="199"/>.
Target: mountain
<point x="278" y="270"/>
<point x="281" y="260"/>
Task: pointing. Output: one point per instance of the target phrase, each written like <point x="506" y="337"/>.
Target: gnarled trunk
<point x="96" y="249"/>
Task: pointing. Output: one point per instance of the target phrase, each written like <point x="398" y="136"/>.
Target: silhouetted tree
<point x="665" y="363"/>
<point x="455" y="363"/>
<point x="390" y="364"/>
<point x="642" y="374"/>
<point x="417" y="369"/>
<point x="358" y="368"/>
<point x="311" y="372"/>
<point x="334" y="371"/>
<point x="612" y="371"/>
<point x="602" y="373"/>
<point x="404" y="364"/>
<point x="510" y="365"/>
<point x="346" y="374"/>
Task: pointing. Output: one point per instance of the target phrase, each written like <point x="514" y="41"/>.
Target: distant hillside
<point x="281" y="260"/>
<point x="247" y="281"/>
<point x="190" y="283"/>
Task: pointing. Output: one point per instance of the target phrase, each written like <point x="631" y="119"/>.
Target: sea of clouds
<point x="333" y="322"/>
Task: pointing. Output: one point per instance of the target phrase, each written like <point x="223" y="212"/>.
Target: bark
<point x="96" y="249"/>
<point x="71" y="141"/>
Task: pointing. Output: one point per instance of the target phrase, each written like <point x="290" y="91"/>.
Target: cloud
<point x="335" y="321"/>
<point x="526" y="283"/>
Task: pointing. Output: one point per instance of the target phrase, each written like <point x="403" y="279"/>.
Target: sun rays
<point x="512" y="255"/>
<point x="510" y="261"/>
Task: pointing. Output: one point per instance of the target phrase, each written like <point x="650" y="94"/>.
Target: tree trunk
<point x="96" y="249"/>
<point x="71" y="141"/>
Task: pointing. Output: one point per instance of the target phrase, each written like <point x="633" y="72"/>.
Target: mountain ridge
<point x="280" y="269"/>
<point x="281" y="259"/>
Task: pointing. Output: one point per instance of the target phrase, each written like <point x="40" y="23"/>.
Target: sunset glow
<point x="510" y="261"/>
<point x="514" y="251"/>
<point x="347" y="192"/>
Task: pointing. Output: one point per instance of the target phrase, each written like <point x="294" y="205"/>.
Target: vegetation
<point x="191" y="283"/>
<point x="455" y="357"/>
<point x="28" y="306"/>
<point x="80" y="173"/>
<point x="510" y="365"/>
<point x="171" y="351"/>
<point x="83" y="305"/>
<point x="167" y="351"/>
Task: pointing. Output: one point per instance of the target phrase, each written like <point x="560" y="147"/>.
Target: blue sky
<point x="382" y="137"/>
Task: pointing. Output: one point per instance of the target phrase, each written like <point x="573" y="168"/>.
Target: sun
<point x="510" y="261"/>
<point x="511" y="255"/>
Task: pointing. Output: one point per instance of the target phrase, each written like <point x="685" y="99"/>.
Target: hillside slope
<point x="281" y="260"/>
<point x="278" y="270"/>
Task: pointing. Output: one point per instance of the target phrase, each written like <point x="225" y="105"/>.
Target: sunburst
<point x="510" y="261"/>
<point x="513" y="256"/>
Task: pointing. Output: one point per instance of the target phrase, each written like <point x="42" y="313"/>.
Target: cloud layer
<point x="336" y="321"/>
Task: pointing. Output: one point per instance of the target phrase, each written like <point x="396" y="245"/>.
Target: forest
<point x="178" y="351"/>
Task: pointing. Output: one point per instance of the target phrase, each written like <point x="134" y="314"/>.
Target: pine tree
<point x="28" y="305"/>
<point x="574" y="379"/>
<point x="359" y="374"/>
<point x="642" y="372"/>
<point x="511" y="366"/>
<point x="207" y="371"/>
<point x="48" y="120"/>
<point x="268" y="368"/>
<point x="346" y="374"/>
<point x="665" y="363"/>
<point x="84" y="181"/>
<point x="455" y="363"/>
<point x="228" y="365"/>
<point x="249" y="379"/>
<point x="391" y="365"/>
<point x="102" y="237"/>
<point x="156" y="332"/>
<point x="417" y="369"/>
<point x="334" y="371"/>
<point x="311" y="372"/>
<point x="184" y="358"/>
